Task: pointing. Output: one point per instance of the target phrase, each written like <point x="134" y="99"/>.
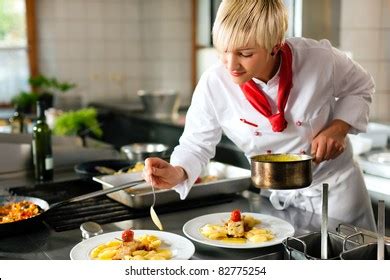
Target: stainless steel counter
<point x="45" y="243"/>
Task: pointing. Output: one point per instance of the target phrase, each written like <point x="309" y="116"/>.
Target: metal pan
<point x="309" y="246"/>
<point x="281" y="171"/>
<point x="18" y="226"/>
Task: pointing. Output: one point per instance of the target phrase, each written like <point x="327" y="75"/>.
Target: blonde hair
<point x="239" y="22"/>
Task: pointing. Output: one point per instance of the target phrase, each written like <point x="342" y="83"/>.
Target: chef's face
<point x="248" y="62"/>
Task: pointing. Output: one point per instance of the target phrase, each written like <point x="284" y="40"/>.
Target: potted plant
<point x="82" y="123"/>
<point x="25" y="101"/>
<point x="46" y="87"/>
<point x="43" y="88"/>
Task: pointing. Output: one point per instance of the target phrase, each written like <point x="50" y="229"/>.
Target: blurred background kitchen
<point x="100" y="53"/>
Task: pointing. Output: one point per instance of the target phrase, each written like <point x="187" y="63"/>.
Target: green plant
<point x="44" y="84"/>
<point x="79" y="122"/>
<point x="25" y="101"/>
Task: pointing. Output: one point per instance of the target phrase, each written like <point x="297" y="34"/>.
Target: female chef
<point x="271" y="95"/>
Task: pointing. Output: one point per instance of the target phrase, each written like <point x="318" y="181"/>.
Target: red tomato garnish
<point x="128" y="235"/>
<point x="235" y="216"/>
<point x="198" y="180"/>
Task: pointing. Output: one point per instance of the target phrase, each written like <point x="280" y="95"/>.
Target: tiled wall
<point x="112" y="48"/>
<point x="365" y="31"/>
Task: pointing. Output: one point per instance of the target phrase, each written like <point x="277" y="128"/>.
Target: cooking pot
<point x="23" y="225"/>
<point x="141" y="151"/>
<point x="281" y="171"/>
<point x="160" y="104"/>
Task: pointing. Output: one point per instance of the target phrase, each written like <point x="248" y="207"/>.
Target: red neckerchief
<point x="258" y="100"/>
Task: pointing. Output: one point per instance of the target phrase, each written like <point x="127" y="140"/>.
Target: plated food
<point x="238" y="228"/>
<point x="17" y="211"/>
<point x="165" y="244"/>
<point x="145" y="247"/>
<point x="262" y="226"/>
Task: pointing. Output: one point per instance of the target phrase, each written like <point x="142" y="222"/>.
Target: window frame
<point x="32" y="40"/>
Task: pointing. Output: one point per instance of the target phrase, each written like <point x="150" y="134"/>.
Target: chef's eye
<point x="245" y="54"/>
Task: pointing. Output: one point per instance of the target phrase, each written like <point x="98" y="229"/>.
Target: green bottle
<point x="41" y="147"/>
<point x="17" y="121"/>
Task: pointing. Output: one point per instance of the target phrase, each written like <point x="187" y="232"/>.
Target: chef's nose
<point x="230" y="61"/>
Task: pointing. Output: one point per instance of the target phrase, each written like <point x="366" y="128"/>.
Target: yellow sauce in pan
<point x="279" y="158"/>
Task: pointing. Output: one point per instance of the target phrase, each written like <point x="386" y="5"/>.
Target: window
<point x="14" y="66"/>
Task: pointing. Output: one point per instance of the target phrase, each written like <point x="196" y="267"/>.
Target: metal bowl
<point x="160" y="104"/>
<point x="141" y="151"/>
<point x="281" y="171"/>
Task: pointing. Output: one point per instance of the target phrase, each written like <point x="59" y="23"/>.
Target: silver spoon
<point x="153" y="213"/>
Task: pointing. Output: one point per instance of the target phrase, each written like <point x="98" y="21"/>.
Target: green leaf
<point x="78" y="122"/>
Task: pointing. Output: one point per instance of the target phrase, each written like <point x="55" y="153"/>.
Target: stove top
<point x="101" y="209"/>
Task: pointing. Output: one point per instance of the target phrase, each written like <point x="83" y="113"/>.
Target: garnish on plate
<point x="238" y="228"/>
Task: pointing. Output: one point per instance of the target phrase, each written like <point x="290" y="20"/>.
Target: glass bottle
<point x="17" y="121"/>
<point x="41" y="147"/>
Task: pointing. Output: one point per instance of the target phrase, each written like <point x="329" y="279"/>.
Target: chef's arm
<point x="330" y="142"/>
<point x="353" y="90"/>
<point x="201" y="135"/>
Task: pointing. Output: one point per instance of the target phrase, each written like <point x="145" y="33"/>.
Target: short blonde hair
<point x="240" y="22"/>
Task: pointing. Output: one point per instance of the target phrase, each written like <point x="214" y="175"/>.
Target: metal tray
<point x="308" y="247"/>
<point x="365" y="252"/>
<point x="231" y="179"/>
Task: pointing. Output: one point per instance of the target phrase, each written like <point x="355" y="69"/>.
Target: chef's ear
<point x="275" y="49"/>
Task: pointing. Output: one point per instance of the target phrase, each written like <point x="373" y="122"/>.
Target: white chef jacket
<point x="327" y="85"/>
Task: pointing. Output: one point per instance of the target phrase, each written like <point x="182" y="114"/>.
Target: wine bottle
<point x="41" y="147"/>
<point x="17" y="121"/>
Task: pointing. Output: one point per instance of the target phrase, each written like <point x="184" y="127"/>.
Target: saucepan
<point x="281" y="171"/>
<point x="21" y="225"/>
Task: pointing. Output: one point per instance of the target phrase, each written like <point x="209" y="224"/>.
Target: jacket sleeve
<point x="201" y="134"/>
<point x="353" y="90"/>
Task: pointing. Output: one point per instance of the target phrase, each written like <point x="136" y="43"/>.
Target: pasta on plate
<point x="238" y="229"/>
<point x="145" y="247"/>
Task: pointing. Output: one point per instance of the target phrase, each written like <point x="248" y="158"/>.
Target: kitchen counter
<point x="46" y="244"/>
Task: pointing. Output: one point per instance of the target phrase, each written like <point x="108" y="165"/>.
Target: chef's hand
<point x="330" y="142"/>
<point x="161" y="174"/>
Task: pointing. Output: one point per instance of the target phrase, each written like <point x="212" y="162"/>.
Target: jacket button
<point x="269" y="151"/>
<point x="258" y="133"/>
<point x="298" y="123"/>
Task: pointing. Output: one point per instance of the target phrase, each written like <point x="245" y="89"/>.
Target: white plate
<point x="280" y="228"/>
<point x="181" y="247"/>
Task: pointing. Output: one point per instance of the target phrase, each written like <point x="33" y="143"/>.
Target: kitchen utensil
<point x="87" y="170"/>
<point x="153" y="213"/>
<point x="160" y="104"/>
<point x="381" y="230"/>
<point x="7" y="228"/>
<point x="367" y="251"/>
<point x="141" y="151"/>
<point x="231" y="179"/>
<point x="324" y="223"/>
<point x="281" y="171"/>
<point x="90" y="229"/>
<point x="308" y="246"/>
